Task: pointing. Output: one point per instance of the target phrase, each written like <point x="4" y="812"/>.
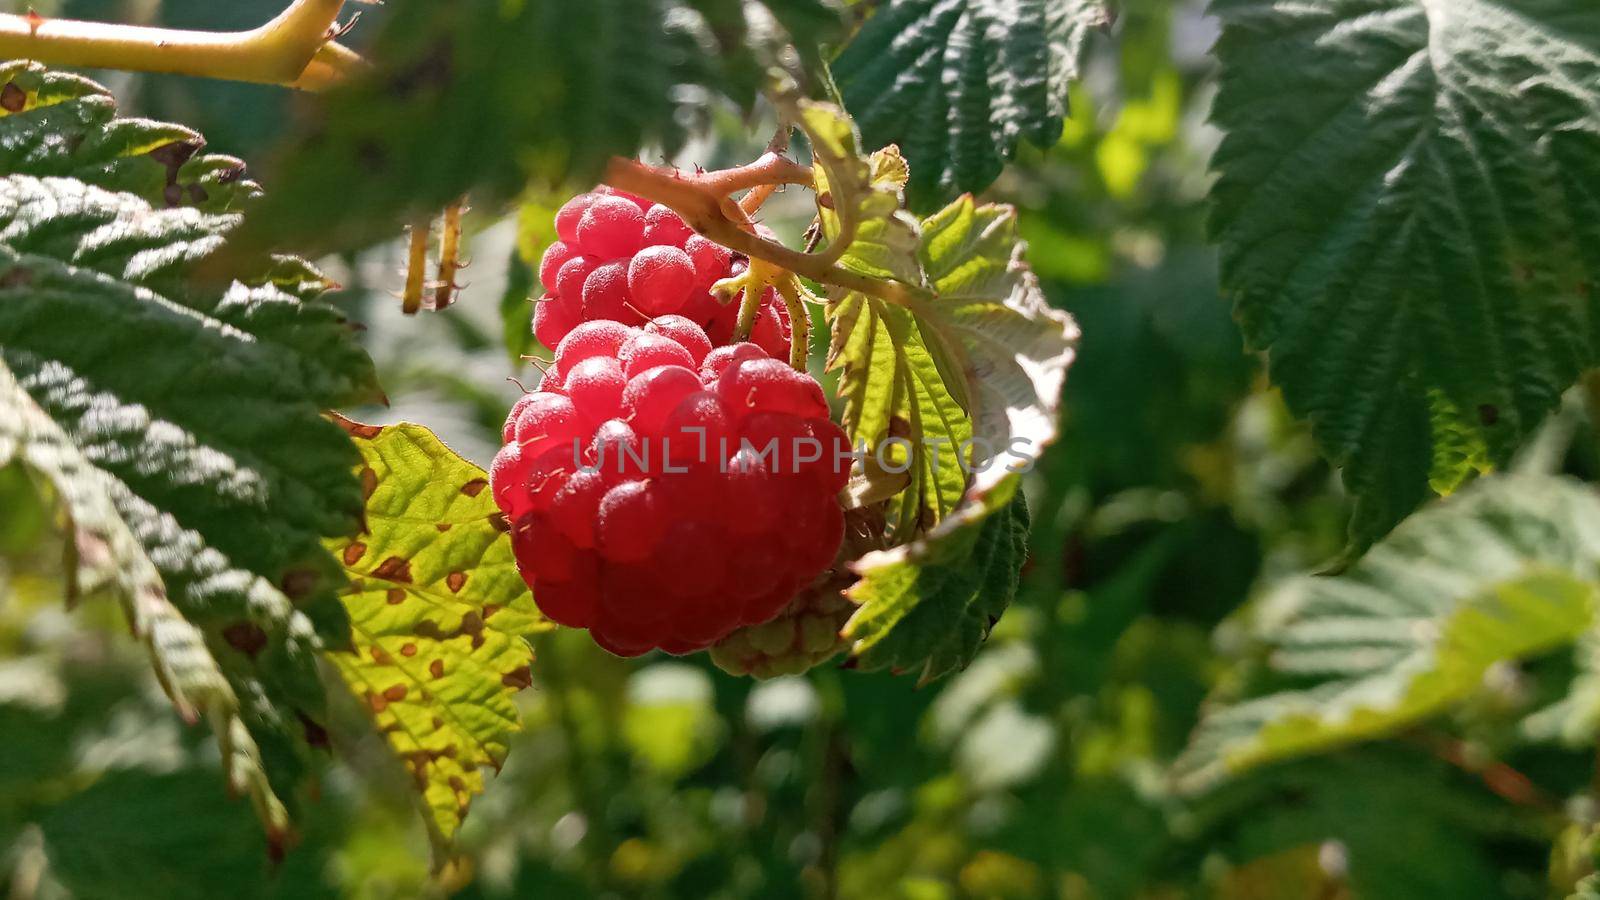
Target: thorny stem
<point x="755" y="281"/>
<point x="294" y="49"/>
<point x="750" y="203"/>
<point x="450" y="263"/>
<point x="701" y="199"/>
<point x="799" y="322"/>
<point x="416" y="268"/>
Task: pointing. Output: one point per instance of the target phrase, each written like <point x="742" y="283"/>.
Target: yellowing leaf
<point x="439" y="616"/>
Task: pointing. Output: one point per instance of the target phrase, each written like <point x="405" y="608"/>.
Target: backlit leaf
<point x="438" y="613"/>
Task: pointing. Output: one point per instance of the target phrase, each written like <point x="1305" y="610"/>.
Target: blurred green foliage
<point x="1179" y="490"/>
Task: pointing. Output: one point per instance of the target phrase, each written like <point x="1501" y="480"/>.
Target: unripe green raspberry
<point x="804" y="635"/>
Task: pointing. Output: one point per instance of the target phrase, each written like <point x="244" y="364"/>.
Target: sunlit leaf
<point x="439" y="616"/>
<point x="1502" y="571"/>
<point x="107" y="558"/>
<point x="193" y="401"/>
<point x="959" y="85"/>
<point x="1410" y="226"/>
<point x="61" y="124"/>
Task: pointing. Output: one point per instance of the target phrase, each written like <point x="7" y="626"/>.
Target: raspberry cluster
<point x="663" y="493"/>
<point x="623" y="258"/>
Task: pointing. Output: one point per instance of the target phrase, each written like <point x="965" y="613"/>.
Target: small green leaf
<point x="1408" y="224"/>
<point x="929" y="605"/>
<point x="1504" y="570"/>
<point x="439" y="616"/>
<point x="958" y="85"/>
<point x="66" y="125"/>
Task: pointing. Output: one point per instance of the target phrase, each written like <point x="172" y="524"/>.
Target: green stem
<point x="294" y="49"/>
<point x="799" y="322"/>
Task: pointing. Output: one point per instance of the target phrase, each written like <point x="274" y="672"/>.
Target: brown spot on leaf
<point x="436" y="668"/>
<point x="232" y="173"/>
<point x="438" y="723"/>
<point x="456" y="581"/>
<point x="12" y="98"/>
<point x="474" y="487"/>
<point x="408" y="649"/>
<point x="245" y="637"/>
<point x="395" y="596"/>
<point x="456" y="784"/>
<point x="518" y="678"/>
<point x="429" y="630"/>
<point x="442" y="527"/>
<point x="357" y="429"/>
<point x="395" y="693"/>
<point x="377" y="702"/>
<point x="354" y="552"/>
<point x="380" y="657"/>
<point x="197" y="194"/>
<point x="498" y="522"/>
<point x="175" y="153"/>
<point x="899" y="427"/>
<point x="369" y="482"/>
<point x="395" y="568"/>
<point x="173" y="195"/>
<point x="489" y="609"/>
<point x="297" y="584"/>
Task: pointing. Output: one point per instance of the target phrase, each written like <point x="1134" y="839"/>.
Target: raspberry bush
<point x="1401" y="208"/>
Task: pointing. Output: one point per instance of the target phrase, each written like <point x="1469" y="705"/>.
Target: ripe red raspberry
<point x="623" y="258"/>
<point x="663" y="494"/>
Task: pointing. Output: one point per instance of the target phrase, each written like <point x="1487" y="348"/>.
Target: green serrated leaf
<point x="970" y="379"/>
<point x="439" y="616"/>
<point x="107" y="557"/>
<point x="929" y="605"/>
<point x="192" y="387"/>
<point x="898" y="404"/>
<point x="1504" y="570"/>
<point x="58" y="124"/>
<point x="992" y="333"/>
<point x="958" y="85"/>
<point x="1408" y="223"/>
<point x="477" y="96"/>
